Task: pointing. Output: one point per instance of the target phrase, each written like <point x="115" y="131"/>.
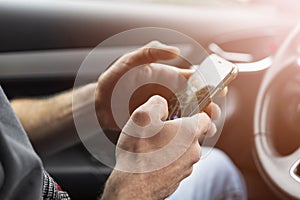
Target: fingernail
<point x="172" y="49"/>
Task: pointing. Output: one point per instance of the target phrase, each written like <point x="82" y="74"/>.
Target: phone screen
<point x="210" y="77"/>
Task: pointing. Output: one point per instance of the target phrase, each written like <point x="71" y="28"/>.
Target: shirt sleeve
<point x="20" y="167"/>
<point x="22" y="175"/>
<point x="1" y="175"/>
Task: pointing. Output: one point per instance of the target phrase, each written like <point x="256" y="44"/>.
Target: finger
<point x="212" y="131"/>
<point x="168" y="70"/>
<point x="185" y="72"/>
<point x="197" y="124"/>
<point x="147" y="120"/>
<point x="156" y="50"/>
<point x="224" y="92"/>
<point x="157" y="100"/>
<point x="150" y="53"/>
<point x="203" y="124"/>
<point x="163" y="80"/>
<point x="156" y="108"/>
<point x="183" y="63"/>
<point x="213" y="111"/>
<point x="180" y="62"/>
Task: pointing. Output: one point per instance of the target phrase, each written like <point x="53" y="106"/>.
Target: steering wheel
<point x="277" y="121"/>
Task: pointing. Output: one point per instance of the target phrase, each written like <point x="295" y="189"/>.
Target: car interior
<point x="44" y="42"/>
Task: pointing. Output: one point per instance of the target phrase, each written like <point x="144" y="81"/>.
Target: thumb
<point x="149" y="53"/>
<point x="155" y="109"/>
<point x="147" y="120"/>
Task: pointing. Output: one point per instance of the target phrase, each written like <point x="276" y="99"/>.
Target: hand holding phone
<point x="210" y="78"/>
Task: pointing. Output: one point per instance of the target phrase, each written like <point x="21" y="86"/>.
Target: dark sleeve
<point x="21" y="171"/>
<point x="1" y="176"/>
<point x="20" y="166"/>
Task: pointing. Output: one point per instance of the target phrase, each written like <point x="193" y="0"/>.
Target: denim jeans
<point x="213" y="178"/>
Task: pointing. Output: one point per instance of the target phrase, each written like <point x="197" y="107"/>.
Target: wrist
<point x="84" y="96"/>
<point x="113" y="188"/>
<point x="125" y="186"/>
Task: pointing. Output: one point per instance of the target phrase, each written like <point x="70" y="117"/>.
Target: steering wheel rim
<point x="276" y="169"/>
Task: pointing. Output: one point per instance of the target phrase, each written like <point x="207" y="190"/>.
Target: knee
<point x="221" y="160"/>
<point x="225" y="175"/>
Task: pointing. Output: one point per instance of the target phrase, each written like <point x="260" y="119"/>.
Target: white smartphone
<point x="209" y="78"/>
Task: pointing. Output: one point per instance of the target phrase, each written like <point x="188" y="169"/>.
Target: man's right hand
<point x="137" y="176"/>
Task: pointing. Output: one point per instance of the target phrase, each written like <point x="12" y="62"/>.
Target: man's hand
<point x="143" y="57"/>
<point x="156" y="176"/>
